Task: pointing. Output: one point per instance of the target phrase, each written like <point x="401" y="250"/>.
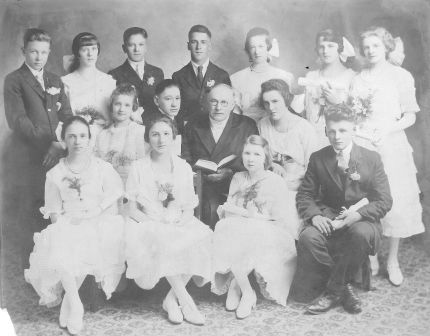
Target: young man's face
<point x="36" y="54"/>
<point x="199" y="46"/>
<point x="340" y="133"/>
<point x="135" y="48"/>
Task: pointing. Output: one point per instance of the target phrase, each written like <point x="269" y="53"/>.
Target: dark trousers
<point x="213" y="197"/>
<point x="336" y="259"/>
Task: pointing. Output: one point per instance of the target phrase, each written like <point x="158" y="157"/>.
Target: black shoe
<point x="351" y="301"/>
<point x="324" y="304"/>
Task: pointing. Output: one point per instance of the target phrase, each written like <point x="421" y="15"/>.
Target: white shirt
<point x="346" y="152"/>
<point x="217" y="127"/>
<point x="141" y="65"/>
<point x="204" y="65"/>
<point x="37" y="74"/>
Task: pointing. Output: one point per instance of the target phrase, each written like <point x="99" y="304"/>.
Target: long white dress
<point x="247" y="83"/>
<point x="251" y="244"/>
<point x="155" y="249"/>
<point x="94" y="247"/>
<point x="393" y="92"/>
<point x="298" y="143"/>
<point x="314" y="99"/>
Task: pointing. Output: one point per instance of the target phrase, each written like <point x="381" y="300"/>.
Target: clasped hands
<point x="327" y="226"/>
<point x="221" y="175"/>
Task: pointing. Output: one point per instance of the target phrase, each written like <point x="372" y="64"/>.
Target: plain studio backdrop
<point x="293" y="23"/>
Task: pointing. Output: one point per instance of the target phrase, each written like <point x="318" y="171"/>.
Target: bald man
<point x="213" y="136"/>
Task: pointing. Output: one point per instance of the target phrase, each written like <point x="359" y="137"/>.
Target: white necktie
<point x="341" y="161"/>
<point x="139" y="70"/>
<point x="39" y="78"/>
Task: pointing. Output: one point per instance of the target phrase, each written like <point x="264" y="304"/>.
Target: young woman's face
<point x="122" y="108"/>
<point x="76" y="138"/>
<point x="257" y="49"/>
<point x="275" y="104"/>
<point x="373" y="49"/>
<point x="169" y="101"/>
<point x="161" y="137"/>
<point x="253" y="158"/>
<point x="327" y="51"/>
<point x="88" y="55"/>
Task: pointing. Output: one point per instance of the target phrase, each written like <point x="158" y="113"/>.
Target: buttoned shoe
<point x="171" y="307"/>
<point x="351" y="302"/>
<point x="246" y="304"/>
<point x="395" y="275"/>
<point x="233" y="296"/>
<point x="324" y="304"/>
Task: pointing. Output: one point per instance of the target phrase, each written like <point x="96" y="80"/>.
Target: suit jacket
<point x="33" y="114"/>
<point x="323" y="193"/>
<point x="198" y="141"/>
<point x="192" y="93"/>
<point x="145" y="87"/>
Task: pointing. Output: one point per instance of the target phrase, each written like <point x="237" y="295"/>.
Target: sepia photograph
<point x="215" y="168"/>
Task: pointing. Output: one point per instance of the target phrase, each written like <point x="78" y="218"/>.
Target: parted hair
<point x="199" y="28"/>
<point x="383" y="34"/>
<point x="276" y="85"/>
<point x="257" y="31"/>
<point x="160" y="119"/>
<point x="72" y="120"/>
<point x="126" y="89"/>
<point x="329" y="35"/>
<point x="133" y="31"/>
<point x="339" y="112"/>
<point x="36" y="34"/>
<point x="164" y="84"/>
<point x="258" y="140"/>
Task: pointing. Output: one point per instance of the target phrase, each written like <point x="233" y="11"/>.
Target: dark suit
<point x="324" y="191"/>
<point x="198" y="143"/>
<point x="145" y="87"/>
<point x="192" y="93"/>
<point x="33" y="115"/>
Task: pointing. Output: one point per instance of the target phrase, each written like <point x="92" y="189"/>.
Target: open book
<point x="361" y="203"/>
<point x="212" y="167"/>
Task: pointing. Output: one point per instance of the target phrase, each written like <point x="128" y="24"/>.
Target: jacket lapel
<point x="131" y="75"/>
<point x="205" y="134"/>
<point x="226" y="136"/>
<point x="353" y="166"/>
<point x="191" y="77"/>
<point x="32" y="81"/>
<point x="330" y="164"/>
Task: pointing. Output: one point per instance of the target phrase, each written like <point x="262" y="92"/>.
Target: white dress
<point x="263" y="245"/>
<point x="298" y="143"/>
<point x="94" y="247"/>
<point x="155" y="249"/>
<point x="314" y="100"/>
<point x="248" y="82"/>
<point x="393" y="93"/>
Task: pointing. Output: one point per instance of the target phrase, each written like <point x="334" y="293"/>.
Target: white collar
<point x="204" y="67"/>
<point x="133" y="63"/>
<point x="218" y="124"/>
<point x="35" y="72"/>
<point x="346" y="151"/>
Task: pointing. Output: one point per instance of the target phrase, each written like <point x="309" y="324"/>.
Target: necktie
<point x="39" y="78"/>
<point x="200" y="74"/>
<point x="341" y="161"/>
<point x="139" y="70"/>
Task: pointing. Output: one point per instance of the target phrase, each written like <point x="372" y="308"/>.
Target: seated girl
<point x="254" y="234"/>
<point x="163" y="238"/>
<point x="86" y="234"/>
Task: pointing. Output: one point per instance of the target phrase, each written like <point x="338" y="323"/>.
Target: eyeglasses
<point x="222" y="103"/>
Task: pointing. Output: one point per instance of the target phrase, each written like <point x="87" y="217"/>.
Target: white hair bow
<point x="397" y="56"/>
<point x="348" y="50"/>
<point x="274" y="51"/>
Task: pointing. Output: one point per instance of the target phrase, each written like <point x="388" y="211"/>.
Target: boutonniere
<point x="53" y="90"/>
<point x="150" y="81"/>
<point x="210" y="83"/>
<point x="352" y="171"/>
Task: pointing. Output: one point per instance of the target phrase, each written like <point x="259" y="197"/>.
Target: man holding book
<point x="214" y="136"/>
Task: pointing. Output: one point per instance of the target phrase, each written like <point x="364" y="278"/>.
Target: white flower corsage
<point x="53" y="90"/>
<point x="355" y="176"/>
<point x="150" y="81"/>
<point x="210" y="83"/>
<point x="162" y="195"/>
<point x="353" y="171"/>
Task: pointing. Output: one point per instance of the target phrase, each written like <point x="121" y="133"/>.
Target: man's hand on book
<point x="221" y="175"/>
<point x="347" y="218"/>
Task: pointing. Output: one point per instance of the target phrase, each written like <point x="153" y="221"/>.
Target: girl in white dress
<point x="254" y="234"/>
<point x="388" y="91"/>
<point x="87" y="88"/>
<point x="247" y="82"/>
<point x="329" y="84"/>
<point x="86" y="234"/>
<point x="122" y="142"/>
<point x="163" y="238"/>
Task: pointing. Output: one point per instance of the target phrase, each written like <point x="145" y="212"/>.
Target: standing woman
<point x="388" y="92"/>
<point x="247" y="82"/>
<point x="163" y="238"/>
<point x="88" y="88"/>
<point x="86" y="234"/>
<point x="329" y="84"/>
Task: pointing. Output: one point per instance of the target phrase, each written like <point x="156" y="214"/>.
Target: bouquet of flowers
<point x="75" y="183"/>
<point x="91" y="115"/>
<point x="250" y="197"/>
<point x="165" y="193"/>
<point x="361" y="106"/>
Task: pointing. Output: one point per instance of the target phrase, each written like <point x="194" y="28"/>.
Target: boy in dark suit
<point x="35" y="102"/>
<point x="135" y="70"/>
<point x="334" y="241"/>
<point x="198" y="76"/>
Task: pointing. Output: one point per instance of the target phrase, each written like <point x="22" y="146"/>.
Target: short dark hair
<point x="276" y="85"/>
<point x="70" y="121"/>
<point x="164" y="84"/>
<point x="36" y="34"/>
<point x="339" y="112"/>
<point x="330" y="35"/>
<point x="82" y="40"/>
<point x="133" y="31"/>
<point x="156" y="120"/>
<point x="125" y="89"/>
<point x="199" y="29"/>
<point x="257" y="31"/>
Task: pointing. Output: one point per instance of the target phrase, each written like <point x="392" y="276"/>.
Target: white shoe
<point x="174" y="313"/>
<point x="374" y="264"/>
<point x="395" y="275"/>
<point x="192" y="314"/>
<point x="233" y="296"/>
<point x="247" y="303"/>
<point x="75" y="322"/>
<point x="64" y="312"/>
